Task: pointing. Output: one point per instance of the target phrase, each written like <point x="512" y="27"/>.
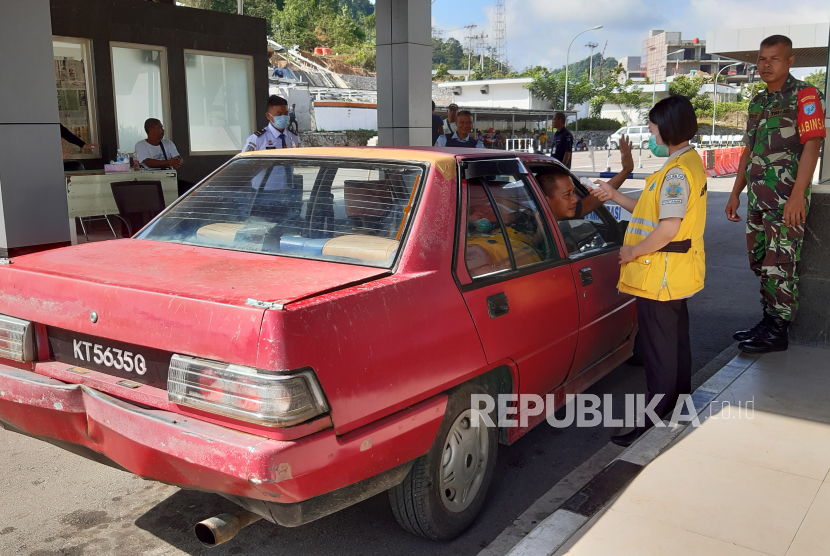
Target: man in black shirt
<point x="563" y="141"/>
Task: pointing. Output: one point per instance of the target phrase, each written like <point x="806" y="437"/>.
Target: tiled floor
<point x="753" y="479"/>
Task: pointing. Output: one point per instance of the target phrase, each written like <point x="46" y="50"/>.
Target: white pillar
<point x="33" y="210"/>
<point x="404" y="69"/>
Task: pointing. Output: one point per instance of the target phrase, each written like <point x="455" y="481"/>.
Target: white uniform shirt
<point x="144" y="150"/>
<point x="442" y="141"/>
<point x="269" y="138"/>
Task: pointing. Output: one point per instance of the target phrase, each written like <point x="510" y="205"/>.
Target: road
<point x="58" y="504"/>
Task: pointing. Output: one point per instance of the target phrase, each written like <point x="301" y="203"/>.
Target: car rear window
<point x="343" y="211"/>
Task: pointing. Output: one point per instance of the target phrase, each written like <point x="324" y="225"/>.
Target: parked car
<point x="303" y="331"/>
<point x="638" y="135"/>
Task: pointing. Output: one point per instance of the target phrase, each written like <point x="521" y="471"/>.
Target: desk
<point x="88" y="192"/>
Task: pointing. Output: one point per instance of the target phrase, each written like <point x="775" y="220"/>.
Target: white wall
<point x="501" y="95"/>
<point x="344" y="118"/>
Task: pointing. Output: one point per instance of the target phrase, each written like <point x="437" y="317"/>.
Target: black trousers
<point x="666" y="349"/>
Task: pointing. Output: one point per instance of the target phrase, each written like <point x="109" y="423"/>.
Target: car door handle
<point x="497" y="305"/>
<point x="585" y="276"/>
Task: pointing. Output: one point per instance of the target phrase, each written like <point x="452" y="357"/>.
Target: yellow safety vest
<point x="665" y="276"/>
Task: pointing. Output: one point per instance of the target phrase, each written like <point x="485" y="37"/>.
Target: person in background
<point x="563" y="141"/>
<point x="437" y="125"/>
<point x="293" y="124"/>
<point x="156" y="152"/>
<point x="543" y="140"/>
<point x="276" y="134"/>
<point x="463" y="137"/>
<point x="662" y="259"/>
<point x="580" y="145"/>
<point x="70" y="137"/>
<point x="498" y="140"/>
<point x="784" y="132"/>
<point x="449" y="123"/>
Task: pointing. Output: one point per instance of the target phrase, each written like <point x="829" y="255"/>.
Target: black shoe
<point x="628" y="438"/>
<point x="744" y="335"/>
<point x="774" y="337"/>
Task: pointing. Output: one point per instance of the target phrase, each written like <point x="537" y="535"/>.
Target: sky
<point x="538" y="31"/>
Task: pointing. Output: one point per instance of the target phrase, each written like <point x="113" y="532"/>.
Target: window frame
<point x="461" y="275"/>
<point x="163" y="82"/>
<point x="251" y="98"/>
<point x="92" y="107"/>
<point x="603" y="213"/>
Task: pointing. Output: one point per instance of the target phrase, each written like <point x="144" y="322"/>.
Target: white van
<point x="638" y="135"/>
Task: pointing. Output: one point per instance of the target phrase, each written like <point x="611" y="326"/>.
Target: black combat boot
<point x="772" y="338"/>
<point x="744" y="335"/>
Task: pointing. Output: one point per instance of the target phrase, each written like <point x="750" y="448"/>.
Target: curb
<point x="547" y="537"/>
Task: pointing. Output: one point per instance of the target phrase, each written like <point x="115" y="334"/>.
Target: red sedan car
<point x="302" y="331"/>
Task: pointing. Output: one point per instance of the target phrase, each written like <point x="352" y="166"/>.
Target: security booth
<point x="98" y="69"/>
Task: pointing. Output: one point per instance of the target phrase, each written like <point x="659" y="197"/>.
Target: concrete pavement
<point x="753" y="479"/>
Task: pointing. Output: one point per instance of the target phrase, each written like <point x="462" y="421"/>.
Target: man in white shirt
<point x="463" y="137"/>
<point x="450" y="122"/>
<point x="155" y="152"/>
<point x="275" y="135"/>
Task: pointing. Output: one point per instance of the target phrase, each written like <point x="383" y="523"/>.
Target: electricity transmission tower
<point x="592" y="46"/>
<point x="500" y="32"/>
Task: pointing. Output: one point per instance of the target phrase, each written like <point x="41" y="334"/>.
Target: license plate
<point x="114" y="358"/>
<point x="135" y="362"/>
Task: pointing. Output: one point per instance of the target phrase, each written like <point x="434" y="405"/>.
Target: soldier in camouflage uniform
<point x="784" y="128"/>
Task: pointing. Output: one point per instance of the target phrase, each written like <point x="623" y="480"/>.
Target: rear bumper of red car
<point x="191" y="453"/>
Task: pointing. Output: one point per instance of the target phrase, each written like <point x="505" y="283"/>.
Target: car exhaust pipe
<point x="223" y="527"/>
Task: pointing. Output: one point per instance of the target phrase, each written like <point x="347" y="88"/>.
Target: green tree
<point x="449" y="52"/>
<point x="689" y="87"/>
<point x="817" y="79"/>
<point x="630" y="99"/>
<point x="254" y="8"/>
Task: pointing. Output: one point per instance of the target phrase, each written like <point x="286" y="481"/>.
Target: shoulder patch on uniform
<point x="674" y="191"/>
<point x="261" y="131"/>
<point x="680" y="176"/>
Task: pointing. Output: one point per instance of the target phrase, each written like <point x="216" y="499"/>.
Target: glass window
<point x="76" y="101"/>
<point x="508" y="236"/>
<point x="220" y="106"/>
<point x="139" y="76"/>
<point x="351" y="212"/>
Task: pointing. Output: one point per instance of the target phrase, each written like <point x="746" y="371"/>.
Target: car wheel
<point x="644" y="145"/>
<point x="445" y="489"/>
<point x="614" y="146"/>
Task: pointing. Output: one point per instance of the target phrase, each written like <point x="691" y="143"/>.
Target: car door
<point x="593" y="242"/>
<point x="516" y="282"/>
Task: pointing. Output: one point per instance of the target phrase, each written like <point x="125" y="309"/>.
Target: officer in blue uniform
<point x="276" y="134"/>
<point x="463" y="136"/>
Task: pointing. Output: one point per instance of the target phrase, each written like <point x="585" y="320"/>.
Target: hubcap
<point x="464" y="462"/>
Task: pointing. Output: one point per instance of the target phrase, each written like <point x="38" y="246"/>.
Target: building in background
<point x="660" y="58"/>
<point x="631" y="69"/>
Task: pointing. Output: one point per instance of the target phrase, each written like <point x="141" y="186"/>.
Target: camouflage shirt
<point x="777" y="127"/>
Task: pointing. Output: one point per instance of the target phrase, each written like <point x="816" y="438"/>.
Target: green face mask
<point x="657" y="150"/>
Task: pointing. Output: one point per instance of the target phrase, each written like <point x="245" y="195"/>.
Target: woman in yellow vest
<point x="663" y="263"/>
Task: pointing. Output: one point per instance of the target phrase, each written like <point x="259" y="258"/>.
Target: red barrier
<point x="721" y="162"/>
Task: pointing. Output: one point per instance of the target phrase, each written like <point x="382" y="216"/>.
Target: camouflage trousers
<point x="774" y="249"/>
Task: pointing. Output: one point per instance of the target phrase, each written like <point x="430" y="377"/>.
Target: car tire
<point x="425" y="503"/>
<point x="644" y="144"/>
<point x="614" y="146"/>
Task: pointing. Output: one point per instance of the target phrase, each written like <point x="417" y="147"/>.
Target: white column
<point x="404" y="71"/>
<point x="33" y="208"/>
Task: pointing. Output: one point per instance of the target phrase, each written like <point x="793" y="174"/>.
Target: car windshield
<point x="343" y="211"/>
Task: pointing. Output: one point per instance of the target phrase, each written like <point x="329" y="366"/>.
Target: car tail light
<point x="271" y="399"/>
<point x="16" y="339"/>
